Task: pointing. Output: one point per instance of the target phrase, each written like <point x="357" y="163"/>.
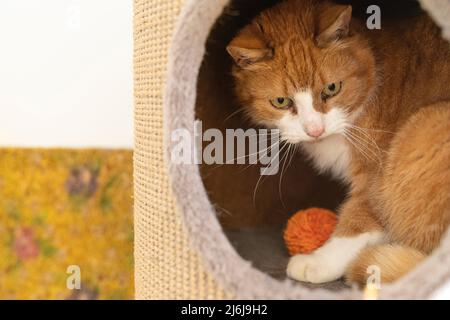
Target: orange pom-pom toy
<point x="309" y="229"/>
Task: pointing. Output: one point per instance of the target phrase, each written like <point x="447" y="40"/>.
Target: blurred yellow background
<point x="60" y="208"/>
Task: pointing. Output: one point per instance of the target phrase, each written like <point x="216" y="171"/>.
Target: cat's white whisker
<point x="362" y="143"/>
<point x="285" y="158"/>
<point x="375" y="130"/>
<point x="261" y="176"/>
<point x="232" y="115"/>
<point x="369" y="137"/>
<point x="248" y="155"/>
<point x="356" y="143"/>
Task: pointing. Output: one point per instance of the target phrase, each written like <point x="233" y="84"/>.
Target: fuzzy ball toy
<point x="309" y="229"/>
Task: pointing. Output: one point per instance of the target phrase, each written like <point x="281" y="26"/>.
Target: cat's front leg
<point x="356" y="230"/>
<point x="330" y="262"/>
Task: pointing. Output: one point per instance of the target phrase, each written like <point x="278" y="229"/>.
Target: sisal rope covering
<point x="165" y="266"/>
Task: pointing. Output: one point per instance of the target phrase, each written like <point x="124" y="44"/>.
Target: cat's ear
<point x="249" y="47"/>
<point x="246" y="57"/>
<point x="333" y="24"/>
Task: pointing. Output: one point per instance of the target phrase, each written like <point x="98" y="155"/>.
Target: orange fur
<point x="398" y="79"/>
<point x="393" y="261"/>
<point x="289" y="30"/>
<point x="412" y="196"/>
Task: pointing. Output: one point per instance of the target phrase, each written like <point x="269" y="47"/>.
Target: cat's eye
<point x="331" y="89"/>
<point x="282" y="102"/>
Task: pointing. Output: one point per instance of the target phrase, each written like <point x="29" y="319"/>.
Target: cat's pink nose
<point x="315" y="130"/>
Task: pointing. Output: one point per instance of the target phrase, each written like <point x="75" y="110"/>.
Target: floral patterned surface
<point x="62" y="208"/>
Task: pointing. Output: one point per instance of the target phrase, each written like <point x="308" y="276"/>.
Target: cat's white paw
<point x="329" y="262"/>
<point x="312" y="268"/>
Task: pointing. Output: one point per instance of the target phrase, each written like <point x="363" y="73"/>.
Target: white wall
<point x="66" y="73"/>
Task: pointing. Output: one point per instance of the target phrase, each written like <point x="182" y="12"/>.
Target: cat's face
<point x="308" y="85"/>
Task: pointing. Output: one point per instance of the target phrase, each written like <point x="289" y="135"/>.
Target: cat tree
<point x="181" y="250"/>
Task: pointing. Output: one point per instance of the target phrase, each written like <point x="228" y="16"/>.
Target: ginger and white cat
<point x="371" y="107"/>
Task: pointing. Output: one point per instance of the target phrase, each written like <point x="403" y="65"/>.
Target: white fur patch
<point x="329" y="153"/>
<point x="333" y="152"/>
<point x="329" y="262"/>
<point x="305" y="108"/>
<point x="291" y="129"/>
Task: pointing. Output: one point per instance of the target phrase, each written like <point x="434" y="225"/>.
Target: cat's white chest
<point x="331" y="154"/>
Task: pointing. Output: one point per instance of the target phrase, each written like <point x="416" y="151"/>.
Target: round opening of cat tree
<point x="234" y="215"/>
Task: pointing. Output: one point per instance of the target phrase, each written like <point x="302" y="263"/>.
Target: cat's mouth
<point x="294" y="139"/>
